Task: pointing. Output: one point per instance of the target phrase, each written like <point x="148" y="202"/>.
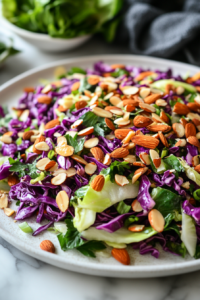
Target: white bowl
<point x="44" y="41"/>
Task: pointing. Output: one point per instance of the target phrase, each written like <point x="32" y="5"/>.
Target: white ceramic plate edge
<point x="95" y="268"/>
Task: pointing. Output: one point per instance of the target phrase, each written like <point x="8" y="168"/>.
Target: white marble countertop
<point x="23" y="277"/>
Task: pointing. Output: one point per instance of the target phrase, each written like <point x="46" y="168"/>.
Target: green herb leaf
<point x="88" y="248"/>
<point x="76" y="70"/>
<point x="117" y="167"/>
<point x="119" y="72"/>
<point x="89" y="119"/>
<point x="75" y="142"/>
<point x="174" y="163"/>
<point x="122" y="208"/>
<point x="130" y="220"/>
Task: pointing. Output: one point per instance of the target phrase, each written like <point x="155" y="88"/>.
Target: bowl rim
<point x="39" y="36"/>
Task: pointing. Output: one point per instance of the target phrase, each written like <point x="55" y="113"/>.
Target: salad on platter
<point x="107" y="159"/>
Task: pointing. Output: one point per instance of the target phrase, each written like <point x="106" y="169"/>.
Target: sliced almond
<point x="90" y="168"/>
<point x="121" y="133"/>
<point x="108" y="96"/>
<point x="51" y="166"/>
<point x="59" y="179"/>
<point x="102" y="112"/>
<point x="130" y="159"/>
<point x="71" y="172"/>
<point x="61" y="140"/>
<point x="136" y="206"/>
<point x="130" y="90"/>
<point x="144" y="92"/>
<point x="180" y="90"/>
<point x="65" y="150"/>
<point x="6" y="139"/>
<point x="107" y="160"/>
<point x="76" y="124"/>
<point x="115" y="100"/>
<point x="164" y="117"/>
<point x="161" y="102"/>
<point x="71" y="133"/>
<point x="62" y="199"/>
<point x="147" y="107"/>
<point x="156" y="118"/>
<point x="8" y="212"/>
<point x="156" y="220"/>
<point x="130" y="145"/>
<point x="110" y="124"/>
<point x="145" y="158"/>
<point x="163" y="139"/>
<point x="157" y="162"/>
<point x="118" y="112"/>
<point x="27" y="135"/>
<point x="4" y="201"/>
<point x="41" y="164"/>
<point x="52" y="124"/>
<point x="136" y="228"/>
<point x="153" y="154"/>
<point x="93" y="142"/>
<point x="143" y="75"/>
<point x="97" y="153"/>
<point x="86" y="131"/>
<point x="42" y="146"/>
<point x="129" y="136"/>
<point x="179" y="129"/>
<point x="122" y="122"/>
<point x="138" y="173"/>
<point x="180" y="143"/>
<point x="59" y="171"/>
<point x="195" y="161"/>
<point x="79" y="159"/>
<point x="121" y="180"/>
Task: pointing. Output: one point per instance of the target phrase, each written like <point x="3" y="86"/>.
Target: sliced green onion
<point x="39" y="178"/>
<point x="164" y="153"/>
<point x="19" y="141"/>
<point x="196" y="195"/>
<point x="25" y="227"/>
<point x="51" y="154"/>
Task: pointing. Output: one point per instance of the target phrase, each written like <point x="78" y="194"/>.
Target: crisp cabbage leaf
<point x="190" y="172"/>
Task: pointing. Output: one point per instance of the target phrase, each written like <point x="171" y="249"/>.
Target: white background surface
<point x="22" y="277"/>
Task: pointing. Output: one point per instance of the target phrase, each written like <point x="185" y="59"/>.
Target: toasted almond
<point x="195" y="161"/>
<point x="76" y="123"/>
<point x="46" y="89"/>
<point x="110" y="124"/>
<point x="164" y="117"/>
<point x="153" y="154"/>
<point x="48" y="246"/>
<point x="10" y="133"/>
<point x="80" y="104"/>
<point x="136" y="206"/>
<point x="107" y="160"/>
<point x="62" y="199"/>
<point x="190" y="130"/>
<point x="122" y="122"/>
<point x="194" y="78"/>
<point x="27" y="135"/>
<point x="179" y="129"/>
<point x="130" y="159"/>
<point x="139" y="164"/>
<point x="115" y="100"/>
<point x="90" y="168"/>
<point x="129" y="108"/>
<point x="65" y="150"/>
<point x="143" y="75"/>
<point x="183" y="122"/>
<point x="71" y="172"/>
<point x="119" y="153"/>
<point x="86" y="131"/>
<point x="109" y="108"/>
<point x="42" y="146"/>
<point x="62" y="108"/>
<point x="121" y="255"/>
<point x="121" y="180"/>
<point x="97" y="153"/>
<point x="156" y="220"/>
<point x="168" y="88"/>
<point x="8" y="211"/>
<point x="50" y="165"/>
<point x="29" y="89"/>
<point x="98" y="183"/>
<point x="163" y="139"/>
<point x="59" y="179"/>
<point x="157" y="162"/>
<point x="102" y="112"/>
<point x="52" y="124"/>
<point x="136" y="228"/>
<point x="4" y="201"/>
<point x="6" y="139"/>
<point x="41" y="164"/>
<point x="144" y="92"/>
<point x="118" y="111"/>
<point x="194" y="107"/>
<point x="140" y="121"/>
<point x="79" y="159"/>
<point x="145" y="158"/>
<point x="139" y="172"/>
<point x="45" y="99"/>
<point x="131" y="102"/>
<point x="181" y="109"/>
<point x="121" y="133"/>
<point x="161" y="102"/>
<point x="197" y="169"/>
<point x="93" y="79"/>
<point x="75" y="86"/>
<point x="145" y="141"/>
<point x="152" y="98"/>
<point x="129" y="90"/>
<point x="193" y="141"/>
<point x="91" y="143"/>
<point x="129" y="146"/>
<point x="159" y="127"/>
<point x="24" y="115"/>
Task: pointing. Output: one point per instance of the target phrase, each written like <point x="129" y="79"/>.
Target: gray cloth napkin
<point x="163" y="28"/>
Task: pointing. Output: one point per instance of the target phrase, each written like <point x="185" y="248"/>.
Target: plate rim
<point x="96" y="268"/>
